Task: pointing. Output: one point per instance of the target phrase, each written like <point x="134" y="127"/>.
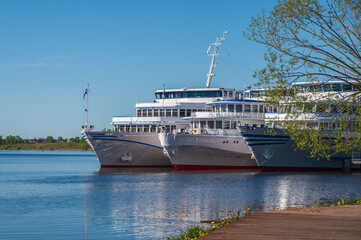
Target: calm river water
<point x="63" y="195"/>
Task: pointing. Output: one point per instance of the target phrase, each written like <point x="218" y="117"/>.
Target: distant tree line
<point x="11" y="140"/>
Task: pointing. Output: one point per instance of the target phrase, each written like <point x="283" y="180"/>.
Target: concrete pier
<point x="340" y="222"/>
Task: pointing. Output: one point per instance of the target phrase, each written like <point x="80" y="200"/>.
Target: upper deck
<point x="189" y="97"/>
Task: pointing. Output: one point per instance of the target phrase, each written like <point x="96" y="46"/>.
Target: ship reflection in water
<point x="159" y="203"/>
<point x="59" y="195"/>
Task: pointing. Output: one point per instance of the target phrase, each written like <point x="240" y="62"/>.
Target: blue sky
<point x="49" y="50"/>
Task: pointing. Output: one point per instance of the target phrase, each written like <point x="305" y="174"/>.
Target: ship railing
<point x="146" y="120"/>
<point x="230" y="115"/>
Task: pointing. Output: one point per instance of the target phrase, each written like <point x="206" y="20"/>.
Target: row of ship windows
<point x="218" y="108"/>
<point x="220" y="124"/>
<point x="193" y="94"/>
<point x="144" y="128"/>
<point x="168" y="112"/>
<point x="327" y="87"/>
<point x="351" y="126"/>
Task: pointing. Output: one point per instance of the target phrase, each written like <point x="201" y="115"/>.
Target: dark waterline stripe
<point x="135" y="166"/>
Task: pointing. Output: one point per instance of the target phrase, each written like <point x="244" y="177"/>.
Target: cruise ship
<point x="134" y="141"/>
<point x="213" y="141"/>
<point x="273" y="147"/>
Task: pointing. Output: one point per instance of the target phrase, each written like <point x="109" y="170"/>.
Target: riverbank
<point x="67" y="146"/>
<point x="334" y="222"/>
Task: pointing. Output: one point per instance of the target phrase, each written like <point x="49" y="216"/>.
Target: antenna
<point x="214" y="54"/>
<point x="86" y="93"/>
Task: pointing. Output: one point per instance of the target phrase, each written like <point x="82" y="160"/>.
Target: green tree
<point x="49" y="139"/>
<point x="1" y="140"/>
<point x="60" y="139"/>
<point x="313" y="41"/>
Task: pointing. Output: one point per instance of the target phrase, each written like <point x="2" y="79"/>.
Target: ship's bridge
<point x="185" y="93"/>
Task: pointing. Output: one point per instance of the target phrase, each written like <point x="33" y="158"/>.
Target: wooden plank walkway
<point x="341" y="222"/>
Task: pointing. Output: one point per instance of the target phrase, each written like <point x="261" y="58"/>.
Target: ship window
<point x="346" y="87"/>
<point x="146" y="128"/>
<point x="230" y="94"/>
<point x="226" y="125"/>
<point x="261" y="108"/>
<point x="175" y="112"/>
<point x="150" y="113"/>
<point x="254" y="94"/>
<point x="182" y="113"/>
<point x="156" y="112"/>
<point x="225" y="93"/>
<point x="161" y="112"/>
<point x="219" y="94"/>
<point x="254" y="108"/>
<point x="153" y="128"/>
<point x="336" y="87"/>
<point x="274" y="109"/>
<point x="158" y="95"/>
<point x="238" y="108"/>
<point x="233" y="125"/>
<point x="139" y="113"/>
<point x="247" y="108"/>
<point x="190" y="94"/>
<point x="223" y="107"/>
<point x="230" y="108"/>
<point x="211" y="124"/>
<point x="219" y="124"/>
<point x="198" y="94"/>
<point x="203" y="124"/>
<point x="326" y="87"/>
<point x="168" y="112"/>
<point x="189" y="112"/>
<point x="178" y="94"/>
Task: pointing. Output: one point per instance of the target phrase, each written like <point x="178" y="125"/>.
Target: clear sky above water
<point x="50" y="50"/>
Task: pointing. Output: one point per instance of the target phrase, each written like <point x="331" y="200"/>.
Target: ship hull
<point x="207" y="152"/>
<point x="117" y="149"/>
<point x="276" y="152"/>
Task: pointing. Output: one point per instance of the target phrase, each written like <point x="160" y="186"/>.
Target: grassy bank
<point x="80" y="146"/>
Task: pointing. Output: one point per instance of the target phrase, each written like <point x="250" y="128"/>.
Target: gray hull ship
<point x="116" y="149"/>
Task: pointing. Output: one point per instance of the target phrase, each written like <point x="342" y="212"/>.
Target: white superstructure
<point x="273" y="148"/>
<point x="212" y="141"/>
<point x="134" y="141"/>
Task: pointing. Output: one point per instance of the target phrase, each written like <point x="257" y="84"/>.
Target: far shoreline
<point x="62" y="149"/>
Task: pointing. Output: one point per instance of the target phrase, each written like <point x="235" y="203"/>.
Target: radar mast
<point x="215" y="53"/>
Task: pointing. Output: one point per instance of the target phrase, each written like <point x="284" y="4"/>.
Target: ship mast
<point x="86" y="93"/>
<point x="214" y="54"/>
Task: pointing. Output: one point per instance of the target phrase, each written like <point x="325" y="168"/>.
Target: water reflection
<point x="158" y="203"/>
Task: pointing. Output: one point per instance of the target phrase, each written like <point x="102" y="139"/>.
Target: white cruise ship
<point x="134" y="141"/>
<point x="213" y="142"/>
<point x="275" y="151"/>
